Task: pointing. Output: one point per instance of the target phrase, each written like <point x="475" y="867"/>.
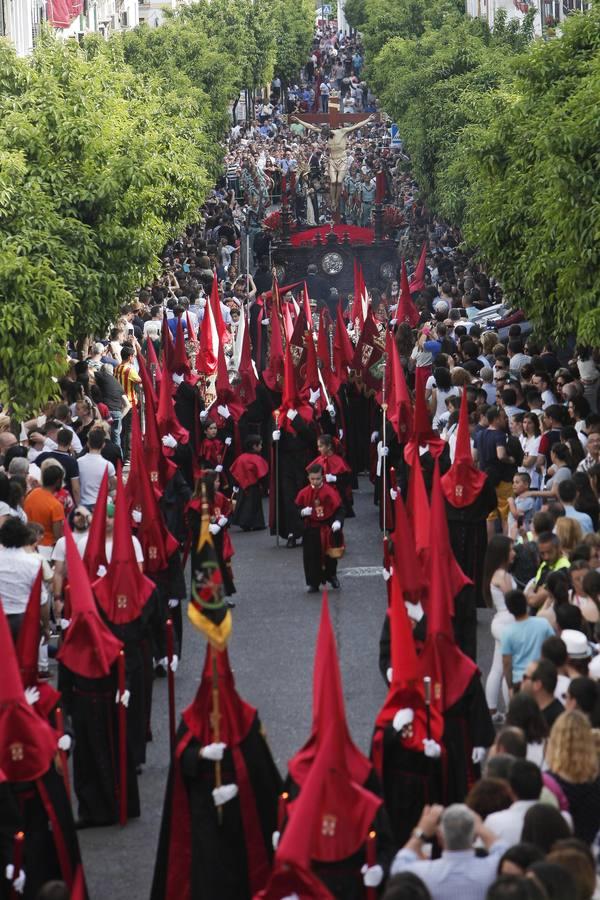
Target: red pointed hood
<point x="423" y="433"/>
<point x="159" y="467"/>
<point x="406" y="688"/>
<point x="399" y="412"/>
<point x="463" y="482"/>
<point x="457" y="579"/>
<point x="28" y="642"/>
<point x="360" y="301"/>
<point x="448" y="667"/>
<point x="206" y="362"/>
<point x="273" y="374"/>
<point x="167" y="345"/>
<point x="406" y="311"/>
<point x="306" y="306"/>
<point x="94" y="555"/>
<point x="417" y="282"/>
<point x="147" y="384"/>
<point x="27" y="742"/>
<point x="404" y="556"/>
<point x="28" y="645"/>
<point x="167" y="421"/>
<point x="331" y="380"/>
<point x="311" y="378"/>
<point x="89" y="647"/>
<point x="418" y="508"/>
<point x="246" y="388"/>
<point x="343" y="351"/>
<point x="290" y="398"/>
<point x="328" y="699"/>
<point x="124" y="590"/>
<point x="226" y="395"/>
<point x="292" y="864"/>
<point x="190" y="327"/>
<point x="236" y="716"/>
<point x="288" y="325"/>
<point x="153" y="363"/>
<point x="181" y="363"/>
<point x="346" y="809"/>
<point x="157" y="541"/>
<point x="215" y="303"/>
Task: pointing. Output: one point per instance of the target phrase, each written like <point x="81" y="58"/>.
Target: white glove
<point x="203" y="415"/>
<point x="219" y="468"/>
<point x="101" y="571"/>
<point x="330" y="479"/>
<point x="173" y="603"/>
<point x="18" y="884"/>
<point x="393" y="322"/>
<point x="341" y="433"/>
<point x="393" y="493"/>
<point x="214" y="528"/>
<point x="214" y="752"/>
<point x="174" y="663"/>
<point x="403" y="718"/>
<point x="136" y="515"/>
<point x="372" y="875"/>
<point x="389" y="674"/>
<point x="374" y="437"/>
<point x="265" y="322"/>
<point x="431" y="749"/>
<point x="235" y="489"/>
<point x="306" y="511"/>
<point x="228" y="442"/>
<point x="64" y="742"/>
<point x="384" y="451"/>
<point x="64" y="624"/>
<point x="177" y="379"/>
<point x="291" y="414"/>
<point x="223" y="411"/>
<point x="336" y="526"/>
<point x="275" y="839"/>
<point x="386" y="574"/>
<point x="124" y="699"/>
<point x="32" y="695"/>
<point x="331" y="410"/>
<point x="314" y="396"/>
<point x="224" y="793"/>
<point x="478" y="755"/>
<point x="276" y="435"/>
<point x="222" y="521"/>
<point x="169" y="441"/>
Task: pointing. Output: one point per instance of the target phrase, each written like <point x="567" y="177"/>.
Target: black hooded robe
<point x="90" y="705"/>
<point x="219" y="865"/>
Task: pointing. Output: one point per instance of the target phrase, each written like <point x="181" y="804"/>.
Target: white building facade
<point x="548" y="13"/>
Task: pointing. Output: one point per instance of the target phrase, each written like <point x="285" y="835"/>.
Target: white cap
<point x="576" y="644"/>
<point x="594" y="668"/>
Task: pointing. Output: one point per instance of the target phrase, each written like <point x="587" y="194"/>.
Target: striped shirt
<point x="128" y="378"/>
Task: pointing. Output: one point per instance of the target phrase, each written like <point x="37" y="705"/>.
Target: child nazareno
<point x="250" y="471"/>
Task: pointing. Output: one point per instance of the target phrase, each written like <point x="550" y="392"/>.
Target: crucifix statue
<point x="337" y="144"/>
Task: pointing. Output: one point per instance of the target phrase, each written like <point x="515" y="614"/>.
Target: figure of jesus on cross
<point x="337" y="144"/>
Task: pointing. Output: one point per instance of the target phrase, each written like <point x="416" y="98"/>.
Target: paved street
<point x="275" y="624"/>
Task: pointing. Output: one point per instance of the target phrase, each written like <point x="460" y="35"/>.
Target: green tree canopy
<point x="97" y="174"/>
<point x="534" y="199"/>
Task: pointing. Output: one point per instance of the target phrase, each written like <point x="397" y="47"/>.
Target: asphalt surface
<point x="271" y="651"/>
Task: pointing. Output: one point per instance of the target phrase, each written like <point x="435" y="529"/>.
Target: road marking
<point x="361" y="572"/>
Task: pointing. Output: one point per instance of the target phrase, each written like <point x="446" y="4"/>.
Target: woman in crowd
<point x="497" y="582"/>
<point x="572" y="759"/>
<point x="524" y="713"/>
